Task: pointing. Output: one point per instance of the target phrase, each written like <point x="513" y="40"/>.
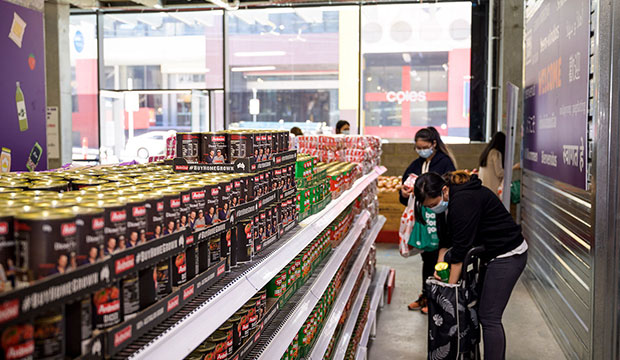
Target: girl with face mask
<point x="472" y="215"/>
<point x="433" y="155"/>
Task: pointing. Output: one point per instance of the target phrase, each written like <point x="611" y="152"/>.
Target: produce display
<point x="389" y="184"/>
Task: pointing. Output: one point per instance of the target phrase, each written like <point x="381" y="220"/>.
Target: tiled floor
<point x="401" y="334"/>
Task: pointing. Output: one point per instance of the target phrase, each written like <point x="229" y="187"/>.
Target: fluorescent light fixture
<point x="259" y="53"/>
<point x="252" y="68"/>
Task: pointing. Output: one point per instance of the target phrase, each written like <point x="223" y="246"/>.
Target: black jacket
<point x="440" y="163"/>
<point x="477" y="217"/>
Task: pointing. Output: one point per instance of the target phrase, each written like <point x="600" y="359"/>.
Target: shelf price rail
<point x="322" y="343"/>
<point x="187" y="334"/>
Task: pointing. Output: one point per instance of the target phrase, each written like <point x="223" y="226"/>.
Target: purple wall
<point x="15" y="66"/>
<point x="555" y="119"/>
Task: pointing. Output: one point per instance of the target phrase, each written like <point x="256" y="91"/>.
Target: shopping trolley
<point x="453" y="327"/>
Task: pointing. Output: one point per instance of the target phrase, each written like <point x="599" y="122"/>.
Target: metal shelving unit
<point x="341" y="348"/>
<point x="322" y="342"/>
<point x="285" y="334"/>
<point x="180" y="339"/>
<point x="375" y="302"/>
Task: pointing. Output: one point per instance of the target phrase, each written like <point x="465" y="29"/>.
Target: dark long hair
<point x="430" y="185"/>
<point x="431" y="135"/>
<point x="498" y="142"/>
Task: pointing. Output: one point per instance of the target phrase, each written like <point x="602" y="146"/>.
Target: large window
<point x="416" y="69"/>
<point x="162" y="71"/>
<point x="283" y="67"/>
<point x="297" y="66"/>
<point x="84" y="89"/>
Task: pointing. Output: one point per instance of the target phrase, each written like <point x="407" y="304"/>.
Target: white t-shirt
<point x="517" y="251"/>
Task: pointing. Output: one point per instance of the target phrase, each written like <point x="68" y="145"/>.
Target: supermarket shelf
<point x="318" y="351"/>
<point x="182" y="338"/>
<point x="310" y="228"/>
<point x="282" y="338"/>
<point x="377" y="298"/>
<point x="349" y="325"/>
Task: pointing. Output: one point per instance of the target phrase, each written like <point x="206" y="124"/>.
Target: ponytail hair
<point x="430" y="185"/>
<point x="430" y="134"/>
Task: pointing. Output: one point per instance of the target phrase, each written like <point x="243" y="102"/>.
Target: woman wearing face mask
<point x="343" y="127"/>
<point x="474" y="216"/>
<point x="433" y="156"/>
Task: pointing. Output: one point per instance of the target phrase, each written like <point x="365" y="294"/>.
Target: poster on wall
<point x="22" y="89"/>
<point x="555" y="118"/>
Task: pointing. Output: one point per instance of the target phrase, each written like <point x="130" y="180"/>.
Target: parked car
<point x="152" y="143"/>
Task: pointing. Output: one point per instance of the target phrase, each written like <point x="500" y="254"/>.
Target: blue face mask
<point x="441" y="207"/>
<point x="424" y="153"/>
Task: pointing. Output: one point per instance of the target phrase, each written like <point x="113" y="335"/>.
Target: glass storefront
<point x="416" y="69"/>
<point x="405" y="66"/>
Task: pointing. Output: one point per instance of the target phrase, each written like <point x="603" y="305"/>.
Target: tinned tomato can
<point x="107" y="307"/>
<point x="49" y="335"/>
<point x="18" y="342"/>
<point x="179" y="269"/>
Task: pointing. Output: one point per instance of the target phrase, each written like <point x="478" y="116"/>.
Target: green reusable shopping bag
<point x="515" y="192"/>
<point x="424" y="237"/>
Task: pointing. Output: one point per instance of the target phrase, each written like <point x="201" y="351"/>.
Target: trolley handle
<point x="471" y="258"/>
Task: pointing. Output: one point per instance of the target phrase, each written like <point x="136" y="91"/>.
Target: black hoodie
<point x="440" y="163"/>
<point x="477" y="217"/>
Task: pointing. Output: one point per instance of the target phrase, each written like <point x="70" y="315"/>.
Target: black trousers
<point x="499" y="280"/>
<point x="429" y="260"/>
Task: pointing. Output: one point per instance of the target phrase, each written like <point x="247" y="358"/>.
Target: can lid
<point x="83" y="210"/>
<point x="44" y="215"/>
<point x="441" y="266"/>
<point x="219" y="336"/>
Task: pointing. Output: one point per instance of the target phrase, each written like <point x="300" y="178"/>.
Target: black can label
<point x="7" y="242"/>
<point x="155" y="218"/>
<point x="107" y="307"/>
<point x="215" y="148"/>
<point x="136" y="224"/>
<point x="179" y="269"/>
<point x="115" y="229"/>
<point x="18" y="342"/>
<point x="172" y="214"/>
<point x="131" y="296"/>
<point x="163" y="285"/>
<point x="46" y="247"/>
<point x="188" y="146"/>
<point x="48" y="336"/>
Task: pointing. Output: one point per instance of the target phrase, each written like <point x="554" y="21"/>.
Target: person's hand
<point x="517" y="166"/>
<point x="436" y="276"/>
<point x="406" y="191"/>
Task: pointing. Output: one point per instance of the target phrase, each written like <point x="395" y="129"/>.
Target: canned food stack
<point x="364" y="150"/>
<point x="235" y="332"/>
<point x="226" y="146"/>
<point x="313" y="325"/>
<point x="59" y="221"/>
<point x="318" y="183"/>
